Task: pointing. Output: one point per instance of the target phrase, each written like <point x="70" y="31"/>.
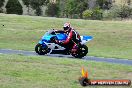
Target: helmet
<point x="66" y="26"/>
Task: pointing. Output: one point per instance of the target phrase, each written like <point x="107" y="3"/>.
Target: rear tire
<point x="84" y="50"/>
<point x="81" y="52"/>
<point x="40" y="50"/>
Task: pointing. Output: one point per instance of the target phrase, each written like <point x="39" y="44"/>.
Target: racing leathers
<point x="73" y="39"/>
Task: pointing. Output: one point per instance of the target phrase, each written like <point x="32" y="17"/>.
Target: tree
<point x="75" y="7"/>
<point x="104" y="4"/>
<point x="129" y="2"/>
<point x="70" y="7"/>
<point x="81" y="6"/>
<point x="52" y="9"/>
<point x="14" y="7"/>
<point x="36" y="4"/>
<point x="1" y="4"/>
<point x="61" y="5"/>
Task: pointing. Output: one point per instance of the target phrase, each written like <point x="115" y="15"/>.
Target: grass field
<point x="111" y="38"/>
<point x="17" y="71"/>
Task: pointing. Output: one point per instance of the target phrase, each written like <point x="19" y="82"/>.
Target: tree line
<point x="104" y="9"/>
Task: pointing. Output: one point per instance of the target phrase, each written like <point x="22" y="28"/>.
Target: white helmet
<point x="66" y="26"/>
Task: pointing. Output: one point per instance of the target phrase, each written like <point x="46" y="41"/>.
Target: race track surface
<point x="88" y="58"/>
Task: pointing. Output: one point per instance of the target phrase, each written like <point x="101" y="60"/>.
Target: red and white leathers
<point x="73" y="38"/>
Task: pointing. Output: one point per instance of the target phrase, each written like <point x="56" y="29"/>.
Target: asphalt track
<point x="88" y="58"/>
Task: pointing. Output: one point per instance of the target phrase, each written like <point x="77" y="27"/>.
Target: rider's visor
<point x="65" y="28"/>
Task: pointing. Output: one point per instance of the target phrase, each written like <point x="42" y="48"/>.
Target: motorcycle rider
<point x="73" y="37"/>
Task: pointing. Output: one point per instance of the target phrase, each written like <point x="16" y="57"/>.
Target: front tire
<point x="40" y="50"/>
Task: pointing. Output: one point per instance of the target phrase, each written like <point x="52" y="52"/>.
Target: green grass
<point x="17" y="71"/>
<point x="111" y="38"/>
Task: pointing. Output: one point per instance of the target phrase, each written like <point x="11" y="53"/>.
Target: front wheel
<point x="40" y="50"/>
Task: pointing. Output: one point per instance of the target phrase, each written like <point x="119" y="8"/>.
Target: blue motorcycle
<point x="47" y="45"/>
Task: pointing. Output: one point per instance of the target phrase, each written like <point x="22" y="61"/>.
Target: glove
<point x="58" y="42"/>
<point x="61" y="43"/>
<point x="53" y="32"/>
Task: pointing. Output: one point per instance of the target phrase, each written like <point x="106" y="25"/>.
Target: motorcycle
<point x="47" y="45"/>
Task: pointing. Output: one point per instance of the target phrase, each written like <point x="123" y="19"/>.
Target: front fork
<point x="43" y="44"/>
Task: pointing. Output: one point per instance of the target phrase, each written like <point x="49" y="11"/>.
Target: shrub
<point x="87" y="14"/>
<point x="112" y="13"/>
<point x="1" y="10"/>
<point x="94" y="14"/>
<point x="118" y="12"/>
<point x="97" y="14"/>
<point x="125" y="11"/>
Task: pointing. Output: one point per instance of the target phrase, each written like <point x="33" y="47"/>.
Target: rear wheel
<point x="40" y="50"/>
<point x="84" y="50"/>
<point x="81" y="52"/>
